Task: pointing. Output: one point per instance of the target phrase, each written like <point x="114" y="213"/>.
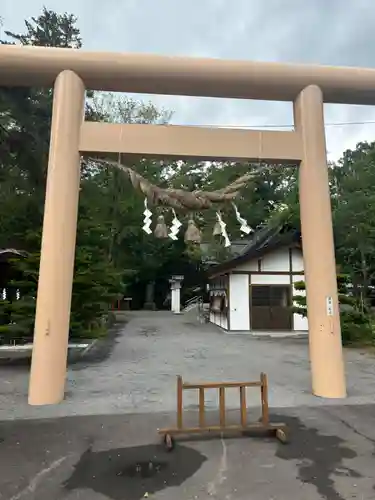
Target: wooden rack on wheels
<point x="262" y="425"/>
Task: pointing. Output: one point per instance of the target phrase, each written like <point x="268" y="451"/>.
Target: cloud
<point x="313" y="31"/>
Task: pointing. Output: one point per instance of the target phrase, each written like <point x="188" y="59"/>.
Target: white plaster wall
<point x="219" y="320"/>
<point x="300" y="322"/>
<point x="213" y="318"/>
<point x="270" y="279"/>
<point x="239" y="302"/>
<point x="224" y="322"/>
<point x="297" y="260"/>
<point x="251" y="265"/>
<point x="278" y="260"/>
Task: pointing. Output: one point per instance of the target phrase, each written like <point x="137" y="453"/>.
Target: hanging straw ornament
<point x="147" y="219"/>
<point x="175" y="227"/>
<point x="245" y="228"/>
<point x="192" y="234"/>
<point x="223" y="230"/>
<point x="161" y="230"/>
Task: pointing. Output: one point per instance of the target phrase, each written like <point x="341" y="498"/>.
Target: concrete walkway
<point x="139" y="374"/>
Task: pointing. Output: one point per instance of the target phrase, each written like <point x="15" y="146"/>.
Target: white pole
<point x="173" y="297"/>
<point x="177" y="308"/>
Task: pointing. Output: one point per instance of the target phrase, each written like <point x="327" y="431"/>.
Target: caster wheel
<point x="282" y="436"/>
<point x="168" y="442"/>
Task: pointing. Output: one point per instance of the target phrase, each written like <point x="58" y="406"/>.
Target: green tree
<point x="354" y="218"/>
<point x="25" y="117"/>
<point x="144" y="259"/>
<point x="357" y="325"/>
<point x="113" y="254"/>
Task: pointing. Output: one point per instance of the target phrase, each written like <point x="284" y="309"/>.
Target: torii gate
<point x="71" y="72"/>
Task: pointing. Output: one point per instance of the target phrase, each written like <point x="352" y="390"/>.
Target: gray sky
<point x="336" y="32"/>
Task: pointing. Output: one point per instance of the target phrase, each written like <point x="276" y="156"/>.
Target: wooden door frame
<point x="278" y="285"/>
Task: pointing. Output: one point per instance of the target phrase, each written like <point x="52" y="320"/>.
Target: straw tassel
<point x="192" y="233"/>
<point x="161" y="230"/>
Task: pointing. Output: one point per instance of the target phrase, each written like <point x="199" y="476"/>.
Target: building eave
<point x="8" y="253"/>
<point x="261" y="244"/>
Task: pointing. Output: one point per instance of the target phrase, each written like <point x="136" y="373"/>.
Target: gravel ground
<point x="101" y="442"/>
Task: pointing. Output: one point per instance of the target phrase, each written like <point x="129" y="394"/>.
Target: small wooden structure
<point x="263" y="424"/>
<point x="254" y="290"/>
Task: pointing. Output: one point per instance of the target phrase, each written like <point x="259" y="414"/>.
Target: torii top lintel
<point x="154" y="74"/>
